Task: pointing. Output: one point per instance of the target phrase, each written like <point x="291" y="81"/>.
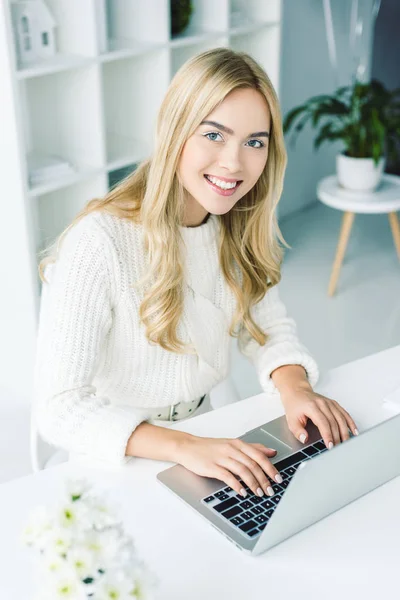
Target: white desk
<point x="353" y="553"/>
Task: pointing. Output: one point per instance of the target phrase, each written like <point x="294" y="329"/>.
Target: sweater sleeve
<point x="76" y="314"/>
<point x="282" y="347"/>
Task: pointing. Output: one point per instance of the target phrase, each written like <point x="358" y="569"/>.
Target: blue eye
<point x="212" y="133"/>
<point x="217" y="133"/>
<point x="258" y="142"/>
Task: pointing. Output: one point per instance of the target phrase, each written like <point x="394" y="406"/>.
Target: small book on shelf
<point x="46" y="167"/>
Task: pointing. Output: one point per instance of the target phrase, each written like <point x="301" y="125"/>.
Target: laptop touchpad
<point x="262" y="437"/>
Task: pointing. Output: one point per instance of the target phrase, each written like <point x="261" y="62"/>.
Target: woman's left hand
<point x="332" y="420"/>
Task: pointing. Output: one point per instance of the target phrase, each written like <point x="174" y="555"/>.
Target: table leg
<point x="347" y="223"/>
<point x="395" y="227"/>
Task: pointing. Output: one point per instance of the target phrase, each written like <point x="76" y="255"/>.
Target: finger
<point x="342" y="423"/>
<point x="256" y="453"/>
<point x="326" y="409"/>
<point x="253" y="464"/>
<point x="229" y="479"/>
<point x="268" y="451"/>
<point x="298" y="429"/>
<point x="323" y="423"/>
<point x="245" y="473"/>
<point x="350" y="423"/>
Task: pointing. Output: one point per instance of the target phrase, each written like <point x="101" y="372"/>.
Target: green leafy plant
<point x="365" y="116"/>
<point x="181" y="11"/>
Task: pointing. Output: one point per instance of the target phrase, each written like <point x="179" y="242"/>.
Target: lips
<point x="224" y="179"/>
<point x="221" y="191"/>
<point x="236" y="181"/>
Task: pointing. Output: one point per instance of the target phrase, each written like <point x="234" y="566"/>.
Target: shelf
<point x="62" y="182"/>
<point x="129" y="115"/>
<point x="180" y="54"/>
<point x="251" y="27"/>
<point x="255" y="10"/>
<point x="136" y="21"/>
<point x="68" y="124"/>
<point x="264" y="46"/>
<point x="120" y="49"/>
<point x="55" y="210"/>
<point x="95" y="103"/>
<point x="123" y="151"/>
<point x="194" y="35"/>
<point x="57" y="64"/>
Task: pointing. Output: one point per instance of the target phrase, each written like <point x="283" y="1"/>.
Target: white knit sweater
<point x="96" y="373"/>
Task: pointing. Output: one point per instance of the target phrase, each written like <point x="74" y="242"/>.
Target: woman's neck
<point x="195" y="213"/>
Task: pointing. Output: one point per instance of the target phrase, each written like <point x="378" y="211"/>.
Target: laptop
<point x="316" y="483"/>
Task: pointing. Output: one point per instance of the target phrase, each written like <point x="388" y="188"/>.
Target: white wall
<point x="305" y="72"/>
<point x="17" y="306"/>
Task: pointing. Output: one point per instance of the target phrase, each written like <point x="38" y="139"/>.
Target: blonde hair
<point x="249" y="251"/>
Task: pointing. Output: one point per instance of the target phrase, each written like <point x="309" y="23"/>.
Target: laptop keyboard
<point x="250" y="515"/>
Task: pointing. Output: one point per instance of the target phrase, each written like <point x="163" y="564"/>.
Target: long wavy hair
<point x="250" y="252"/>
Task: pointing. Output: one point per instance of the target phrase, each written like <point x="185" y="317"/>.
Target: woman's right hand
<point x="224" y="458"/>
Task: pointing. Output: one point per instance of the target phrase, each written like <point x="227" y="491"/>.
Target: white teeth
<point x="222" y="184"/>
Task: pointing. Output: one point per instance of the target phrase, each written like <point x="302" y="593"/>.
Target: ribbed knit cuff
<point x="110" y="433"/>
<point x="279" y="355"/>
<point x="102" y="437"/>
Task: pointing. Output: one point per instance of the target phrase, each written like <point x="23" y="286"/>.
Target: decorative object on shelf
<point x="34" y="32"/>
<point x="366" y="118"/>
<point x="115" y="177"/>
<point x="43" y="168"/>
<point x="83" y="552"/>
<point x="181" y="11"/>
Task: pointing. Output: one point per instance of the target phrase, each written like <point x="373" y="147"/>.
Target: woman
<point x="152" y="281"/>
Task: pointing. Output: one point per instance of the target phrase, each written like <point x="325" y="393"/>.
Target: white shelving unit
<point x="95" y="103"/>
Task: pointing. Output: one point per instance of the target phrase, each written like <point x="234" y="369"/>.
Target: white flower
<point x="57" y="540"/>
<point x="82" y="561"/>
<point x="39" y="522"/>
<point x="113" y="586"/>
<point x="63" y="584"/>
<point x="77" y="489"/>
<point x="101" y="512"/>
<point x="83" y="540"/>
<point x="109" y="547"/>
<point x="74" y="516"/>
<point x="53" y="563"/>
<point x="144" y="583"/>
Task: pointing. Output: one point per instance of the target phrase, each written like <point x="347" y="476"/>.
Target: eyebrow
<point x="231" y="132"/>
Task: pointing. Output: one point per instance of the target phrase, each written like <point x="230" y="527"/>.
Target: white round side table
<point x="385" y="199"/>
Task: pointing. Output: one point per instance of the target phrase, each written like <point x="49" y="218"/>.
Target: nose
<point x="229" y="158"/>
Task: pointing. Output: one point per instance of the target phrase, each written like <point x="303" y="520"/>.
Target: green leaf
<point x="291" y="116"/>
<point x="362" y="115"/>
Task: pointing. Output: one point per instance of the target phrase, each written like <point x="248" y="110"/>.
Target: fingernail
<point x="302" y="438"/>
<point x="278" y="478"/>
<point x="270" y="491"/>
<point x="356" y="432"/>
<point x="330" y="445"/>
<point x="243" y="492"/>
<point x="260" y="492"/>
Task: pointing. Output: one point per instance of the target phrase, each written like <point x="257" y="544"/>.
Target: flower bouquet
<point x="82" y="551"/>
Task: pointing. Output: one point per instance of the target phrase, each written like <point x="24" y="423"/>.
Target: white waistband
<point x="175" y="412"/>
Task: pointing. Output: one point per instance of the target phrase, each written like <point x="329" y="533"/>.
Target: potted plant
<point x="181" y="11"/>
<point x="366" y="117"/>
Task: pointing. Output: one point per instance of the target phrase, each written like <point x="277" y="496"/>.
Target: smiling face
<point x="230" y="147"/>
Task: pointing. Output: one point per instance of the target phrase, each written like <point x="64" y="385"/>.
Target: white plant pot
<point x="359" y="174"/>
